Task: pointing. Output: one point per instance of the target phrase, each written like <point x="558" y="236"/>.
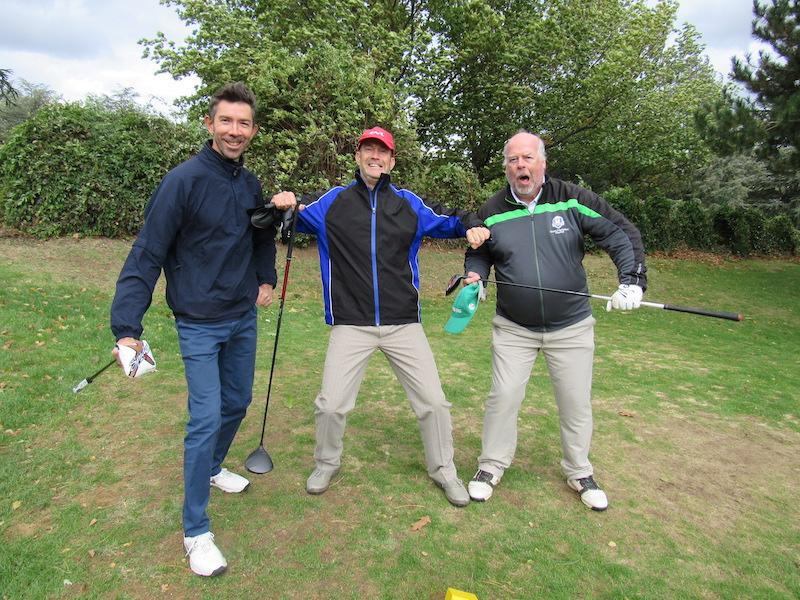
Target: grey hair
<point x="542" y="153"/>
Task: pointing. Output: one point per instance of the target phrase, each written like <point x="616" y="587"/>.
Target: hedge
<point x="85" y="169"/>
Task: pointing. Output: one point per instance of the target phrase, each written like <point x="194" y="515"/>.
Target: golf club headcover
<point x="136" y="364"/>
<point x="264" y="216"/>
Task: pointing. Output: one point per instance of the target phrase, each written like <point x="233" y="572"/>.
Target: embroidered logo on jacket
<point x="558" y="225"/>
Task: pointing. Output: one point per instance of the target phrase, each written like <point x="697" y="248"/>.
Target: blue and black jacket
<point x="368" y="242"/>
<point x="197" y="229"/>
<point x="545" y="249"/>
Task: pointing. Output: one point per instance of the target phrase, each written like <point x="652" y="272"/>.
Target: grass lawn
<point x="697" y="434"/>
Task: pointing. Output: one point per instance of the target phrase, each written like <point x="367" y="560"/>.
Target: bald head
<point x="525" y="161"/>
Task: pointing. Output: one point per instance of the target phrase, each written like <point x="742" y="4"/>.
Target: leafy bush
<point x="86" y="169"/>
<point x="782" y="236"/>
<point x="692" y="224"/>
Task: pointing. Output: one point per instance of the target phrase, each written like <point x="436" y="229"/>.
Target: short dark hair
<point x="233" y="92"/>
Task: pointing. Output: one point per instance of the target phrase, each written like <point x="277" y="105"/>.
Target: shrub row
<point x="86" y="169"/>
<point x="742" y="230"/>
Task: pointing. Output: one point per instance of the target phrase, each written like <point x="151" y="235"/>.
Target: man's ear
<point x="209" y="123"/>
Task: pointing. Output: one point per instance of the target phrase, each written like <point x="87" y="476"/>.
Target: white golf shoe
<point x="482" y="485"/>
<point x="591" y="494"/>
<point x="204" y="557"/>
<point x="229" y="482"/>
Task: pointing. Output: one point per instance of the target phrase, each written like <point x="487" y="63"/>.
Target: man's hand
<point x="126" y="341"/>
<point x="284" y="200"/>
<point x="471" y="277"/>
<point x="627" y="297"/>
<point x="265" y="292"/>
<point x="477" y="235"/>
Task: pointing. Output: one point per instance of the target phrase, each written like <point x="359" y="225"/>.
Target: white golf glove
<point x="136" y="364"/>
<point x="627" y="297"/>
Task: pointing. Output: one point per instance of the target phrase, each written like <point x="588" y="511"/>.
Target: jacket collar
<point x="226" y="165"/>
<point x="383" y="181"/>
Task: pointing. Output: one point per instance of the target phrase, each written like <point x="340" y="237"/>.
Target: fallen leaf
<point x="39" y="343"/>
<point x="164" y="587"/>
<point x="112" y="565"/>
<point x="612" y="544"/>
<point x="91" y="553"/>
<point x="421" y="523"/>
<point x="126" y="544"/>
<point x="424" y="554"/>
<point x="92" y="522"/>
<point x="17" y="503"/>
<point x="7" y="345"/>
<point x="626" y="413"/>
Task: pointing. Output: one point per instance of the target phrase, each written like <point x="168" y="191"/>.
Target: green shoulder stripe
<point x="573" y="203"/>
<point x="512" y="214"/>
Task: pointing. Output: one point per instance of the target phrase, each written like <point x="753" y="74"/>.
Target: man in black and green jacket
<point x="538" y="225"/>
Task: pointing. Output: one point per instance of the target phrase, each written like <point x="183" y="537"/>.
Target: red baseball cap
<point x="377" y="133"/>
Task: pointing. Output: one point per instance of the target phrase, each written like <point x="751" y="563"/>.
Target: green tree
<point x="775" y="80"/>
<point x="598" y="79"/>
<point x="7" y="91"/>
<point x="321" y="76"/>
<point x="30" y="99"/>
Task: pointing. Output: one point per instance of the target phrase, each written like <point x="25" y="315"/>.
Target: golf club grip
<point x="706" y="313"/>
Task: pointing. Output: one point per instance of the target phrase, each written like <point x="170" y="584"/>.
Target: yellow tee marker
<point x="454" y="594"/>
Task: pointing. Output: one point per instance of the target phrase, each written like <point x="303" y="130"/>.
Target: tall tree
<point x="7" y="91"/>
<point x="31" y="97"/>
<point x="597" y="78"/>
<point x="775" y="79"/>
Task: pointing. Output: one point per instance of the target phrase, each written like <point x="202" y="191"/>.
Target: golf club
<point x="456" y="279"/>
<point x="259" y="461"/>
<point x="78" y="387"/>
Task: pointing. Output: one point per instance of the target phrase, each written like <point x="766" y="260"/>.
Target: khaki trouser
<point x="407" y="350"/>
<point x="569" y="353"/>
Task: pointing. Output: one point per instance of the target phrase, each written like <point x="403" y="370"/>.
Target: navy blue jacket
<point x="197" y="229"/>
<point x="368" y="242"/>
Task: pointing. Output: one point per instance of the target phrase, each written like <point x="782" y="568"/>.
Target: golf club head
<point x="259" y="462"/>
<point x="453" y="284"/>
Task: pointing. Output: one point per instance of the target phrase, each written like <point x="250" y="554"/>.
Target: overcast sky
<point x="80" y="47"/>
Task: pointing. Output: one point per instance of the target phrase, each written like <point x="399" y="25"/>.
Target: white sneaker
<point x="482" y="485"/>
<point x="591" y="494"/>
<point x="204" y="557"/>
<point x="229" y="482"/>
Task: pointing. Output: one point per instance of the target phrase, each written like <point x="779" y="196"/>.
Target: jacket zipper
<point x="538" y="273"/>
<point x="373" y="200"/>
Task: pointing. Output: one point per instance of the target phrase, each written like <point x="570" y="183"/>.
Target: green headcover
<point x="464" y="306"/>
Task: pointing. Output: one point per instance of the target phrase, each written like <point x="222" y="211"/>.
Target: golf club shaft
<point x="78" y="387"/>
<point x="685" y="309"/>
<point x="280" y="317"/>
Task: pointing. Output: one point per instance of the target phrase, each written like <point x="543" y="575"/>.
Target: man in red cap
<point x="368" y="235"/>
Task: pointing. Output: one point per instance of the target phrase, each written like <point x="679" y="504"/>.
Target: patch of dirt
<point x="714" y="474"/>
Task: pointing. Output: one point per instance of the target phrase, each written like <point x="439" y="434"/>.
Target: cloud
<point x="80" y="47"/>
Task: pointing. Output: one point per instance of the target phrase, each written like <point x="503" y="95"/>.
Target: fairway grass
<point x="697" y="433"/>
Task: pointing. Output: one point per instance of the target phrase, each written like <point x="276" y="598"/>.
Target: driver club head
<point x="259" y="462"/>
<point x="453" y="284"/>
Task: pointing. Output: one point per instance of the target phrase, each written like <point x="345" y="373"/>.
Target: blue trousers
<point x="219" y="360"/>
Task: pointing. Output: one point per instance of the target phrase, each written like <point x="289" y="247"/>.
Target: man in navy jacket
<point x="218" y="268"/>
